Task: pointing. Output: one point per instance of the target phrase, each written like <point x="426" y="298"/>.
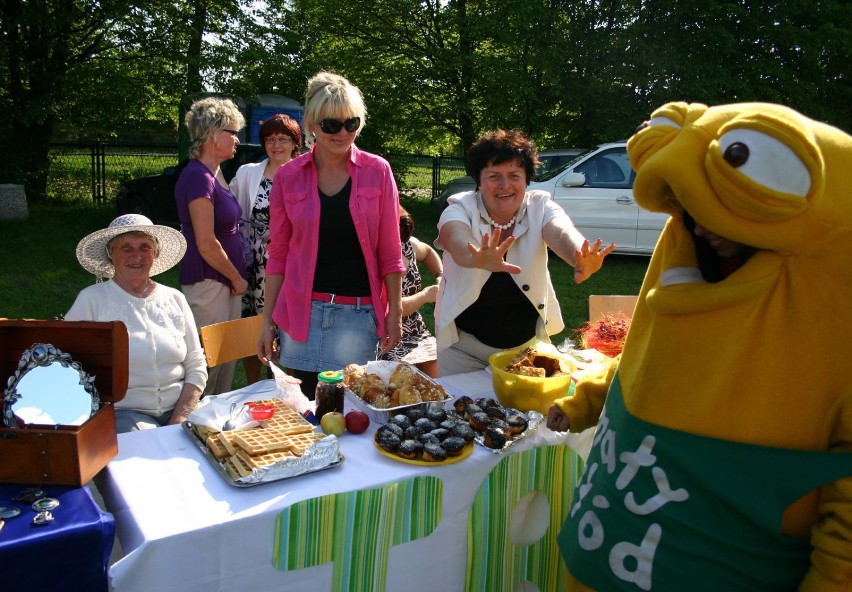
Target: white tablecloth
<point x="183" y="527"/>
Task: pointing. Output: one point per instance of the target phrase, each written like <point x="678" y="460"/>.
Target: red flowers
<point x="606" y="334"/>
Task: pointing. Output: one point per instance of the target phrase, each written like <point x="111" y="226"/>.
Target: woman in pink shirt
<point x="334" y="237"/>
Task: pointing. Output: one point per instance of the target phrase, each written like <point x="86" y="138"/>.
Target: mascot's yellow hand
<point x="583" y="408"/>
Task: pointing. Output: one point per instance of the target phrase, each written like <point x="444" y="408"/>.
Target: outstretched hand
<point x="491" y="253"/>
<point x="589" y="259"/>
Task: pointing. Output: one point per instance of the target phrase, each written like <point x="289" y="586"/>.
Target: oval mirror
<point x="49" y="388"/>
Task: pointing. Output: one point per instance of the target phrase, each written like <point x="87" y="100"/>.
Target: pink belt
<point x="335" y="299"/>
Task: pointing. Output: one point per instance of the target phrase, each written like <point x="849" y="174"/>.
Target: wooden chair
<point x="231" y="340"/>
<point x="602" y="305"/>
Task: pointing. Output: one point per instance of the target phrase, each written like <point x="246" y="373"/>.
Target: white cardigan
<point x="245" y="185"/>
<point x="461" y="286"/>
<point x="164" y="348"/>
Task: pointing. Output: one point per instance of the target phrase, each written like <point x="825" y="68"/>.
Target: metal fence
<point x="97" y="169"/>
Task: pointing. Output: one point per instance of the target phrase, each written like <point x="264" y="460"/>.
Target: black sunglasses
<point x="332" y="126"/>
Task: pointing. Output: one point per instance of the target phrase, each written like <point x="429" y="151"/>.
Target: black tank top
<point x="502" y="316"/>
<point x="340" y="267"/>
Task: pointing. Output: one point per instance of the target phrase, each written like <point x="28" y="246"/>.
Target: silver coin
<point x="8" y="512"/>
<point x="45" y="503"/>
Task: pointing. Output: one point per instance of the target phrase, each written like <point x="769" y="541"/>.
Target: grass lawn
<point x="40" y="276"/>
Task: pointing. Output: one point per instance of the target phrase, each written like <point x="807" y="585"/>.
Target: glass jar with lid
<point x="329" y="393"/>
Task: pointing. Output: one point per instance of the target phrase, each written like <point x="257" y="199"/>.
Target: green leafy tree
<point x="794" y="52"/>
<point x="409" y="60"/>
<point x="260" y="51"/>
<point x="37" y="52"/>
<point x="97" y="66"/>
<point x="436" y="74"/>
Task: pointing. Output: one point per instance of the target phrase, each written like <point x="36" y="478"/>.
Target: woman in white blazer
<point x="281" y="138"/>
<point x="496" y="292"/>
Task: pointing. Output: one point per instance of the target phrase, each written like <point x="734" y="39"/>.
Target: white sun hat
<point x="92" y="250"/>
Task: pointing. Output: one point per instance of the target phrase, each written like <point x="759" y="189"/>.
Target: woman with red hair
<point x="281" y="138"/>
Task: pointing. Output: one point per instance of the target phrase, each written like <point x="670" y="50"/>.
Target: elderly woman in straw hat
<point x="213" y="273"/>
<point x="167" y="366"/>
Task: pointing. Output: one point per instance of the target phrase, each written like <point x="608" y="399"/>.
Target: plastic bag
<point x="291" y="393"/>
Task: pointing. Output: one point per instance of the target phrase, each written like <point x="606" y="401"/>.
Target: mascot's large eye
<point x="766" y="160"/>
<point x="662" y="121"/>
<point x="736" y="154"/>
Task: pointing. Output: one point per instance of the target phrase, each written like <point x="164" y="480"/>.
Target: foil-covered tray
<point x="534" y="419"/>
<point x="325" y="454"/>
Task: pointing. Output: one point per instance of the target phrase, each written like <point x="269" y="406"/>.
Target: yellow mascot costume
<point x="722" y="459"/>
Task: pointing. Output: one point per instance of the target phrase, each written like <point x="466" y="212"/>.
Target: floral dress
<point x="258" y="236"/>
<point x="417" y="344"/>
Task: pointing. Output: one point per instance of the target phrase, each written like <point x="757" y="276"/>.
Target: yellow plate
<point x="466" y="451"/>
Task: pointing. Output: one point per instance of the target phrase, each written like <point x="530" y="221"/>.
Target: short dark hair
<point x="406" y="225"/>
<point x="282" y="124"/>
<point x="501" y="146"/>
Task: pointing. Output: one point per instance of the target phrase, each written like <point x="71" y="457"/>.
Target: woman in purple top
<point x="213" y="272"/>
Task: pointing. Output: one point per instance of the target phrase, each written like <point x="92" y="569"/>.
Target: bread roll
<point x="369" y="381"/>
<point x="377" y="396"/>
<point x="408" y="395"/>
<point x="433" y="392"/>
<point x="402" y="376"/>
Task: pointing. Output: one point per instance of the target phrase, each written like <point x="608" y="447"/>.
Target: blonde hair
<point x="330" y="95"/>
<point x="208" y="115"/>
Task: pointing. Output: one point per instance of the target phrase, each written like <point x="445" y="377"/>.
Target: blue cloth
<point x="70" y="553"/>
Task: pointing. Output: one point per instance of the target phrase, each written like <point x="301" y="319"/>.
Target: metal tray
<point x="534" y="420"/>
<point x="380" y="415"/>
<point x="187" y="427"/>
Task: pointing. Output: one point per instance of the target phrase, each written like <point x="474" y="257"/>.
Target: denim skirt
<point x="339" y="334"/>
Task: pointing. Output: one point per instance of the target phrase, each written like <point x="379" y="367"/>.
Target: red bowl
<point x="261" y="411"/>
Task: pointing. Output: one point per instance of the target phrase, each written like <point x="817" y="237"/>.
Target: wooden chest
<point x="65" y="454"/>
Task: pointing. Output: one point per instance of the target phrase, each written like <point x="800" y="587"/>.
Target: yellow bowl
<point x="527" y="393"/>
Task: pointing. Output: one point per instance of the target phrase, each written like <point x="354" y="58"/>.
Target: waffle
<point x="227" y="439"/>
<point x="280" y="406"/>
<point x="216" y="446"/>
<point x="203" y="431"/>
<point x="237" y="467"/>
<point x="277" y="402"/>
<point x="299" y="443"/>
<point x="286" y="419"/>
<point x="262" y="461"/>
<point x="287" y="424"/>
<point x="261" y="441"/>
